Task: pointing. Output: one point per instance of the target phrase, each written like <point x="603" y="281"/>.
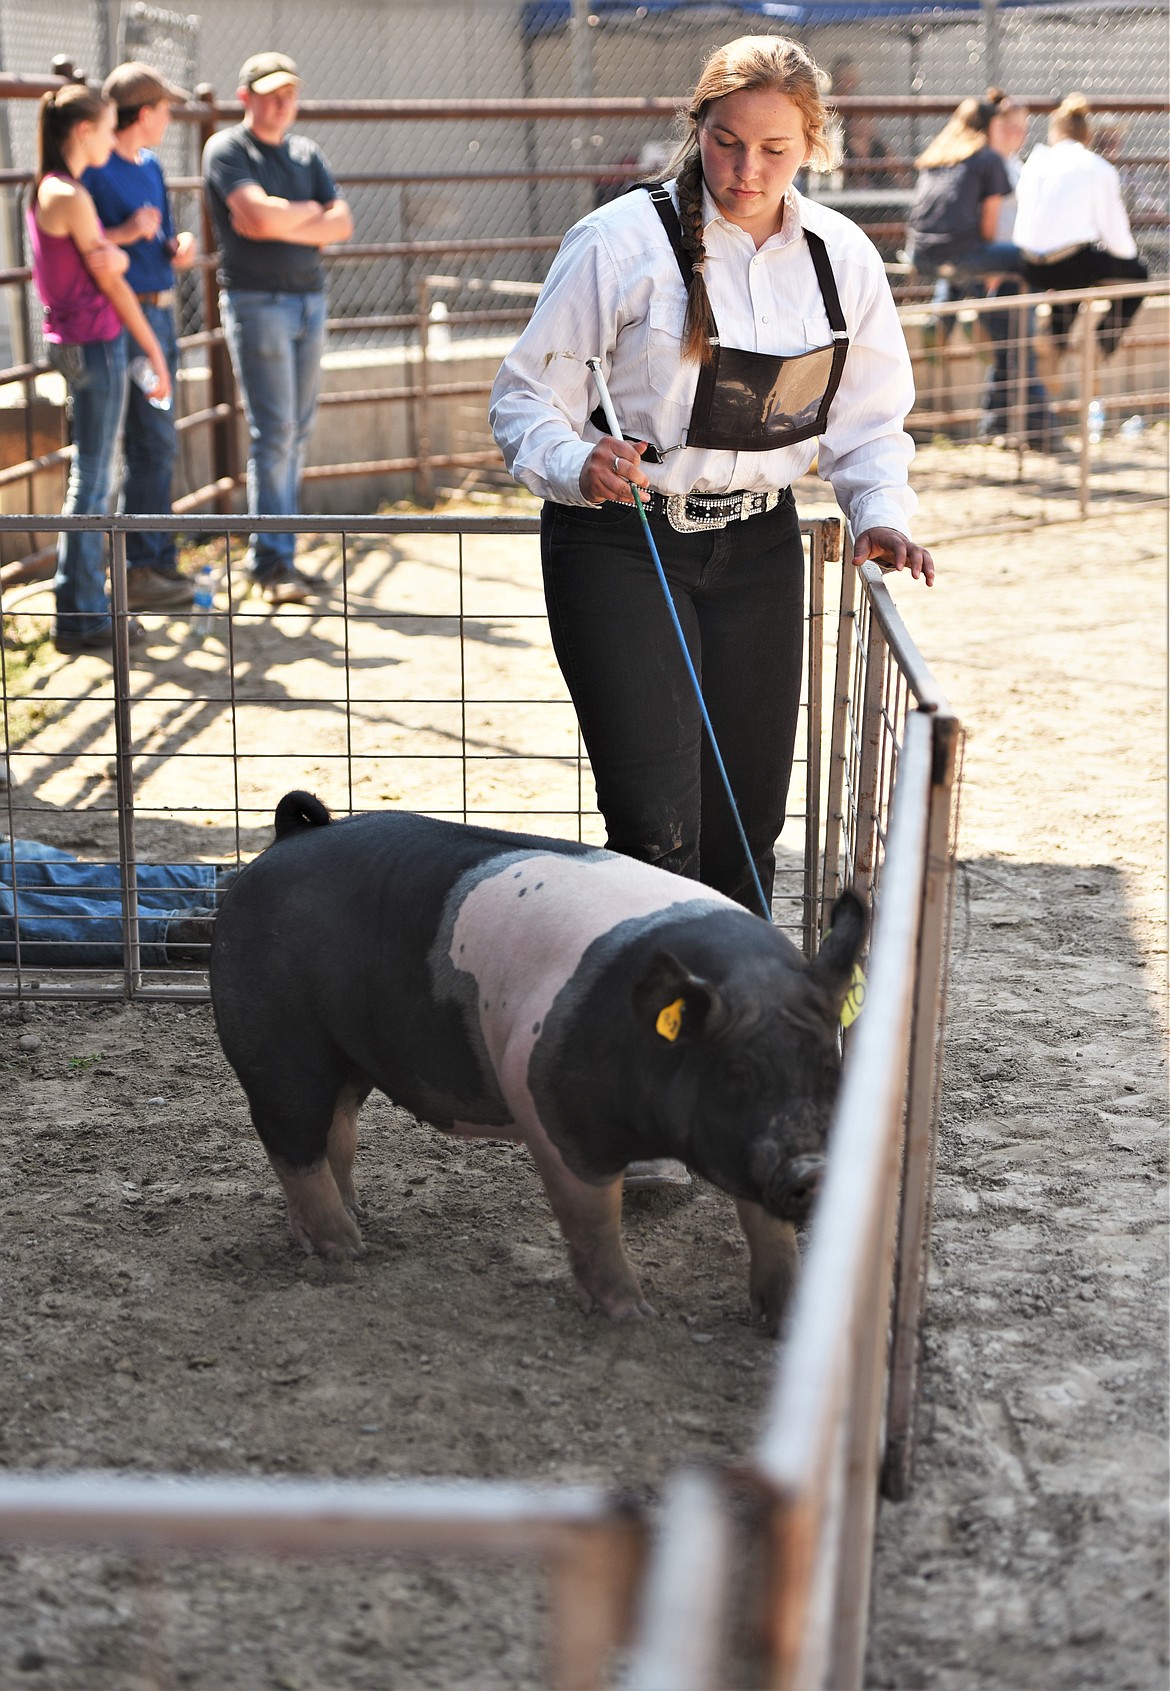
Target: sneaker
<point x="98" y="640"/>
<point x="188" y="941"/>
<point x="155" y="590"/>
<point x="285" y="586"/>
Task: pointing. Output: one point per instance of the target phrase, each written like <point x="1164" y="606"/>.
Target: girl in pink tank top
<point x="80" y="277"/>
<point x="75" y="308"/>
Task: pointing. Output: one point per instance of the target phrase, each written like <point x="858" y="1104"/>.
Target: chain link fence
<point x="471" y="202"/>
<point x="474" y="178"/>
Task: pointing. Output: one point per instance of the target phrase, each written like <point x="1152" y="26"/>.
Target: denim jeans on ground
<point x="739" y="594"/>
<point x="96" y="374"/>
<point x="69" y="914"/>
<point x="276" y="341"/>
<point x="151" y="447"/>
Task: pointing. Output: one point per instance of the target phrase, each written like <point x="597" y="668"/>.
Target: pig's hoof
<point x="633" y="1312"/>
<point x="341" y="1243"/>
<point x="626" y="1309"/>
<point x="769" y="1309"/>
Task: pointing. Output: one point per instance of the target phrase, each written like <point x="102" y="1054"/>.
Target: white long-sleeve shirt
<point x="615" y="292"/>
<point x="1068" y="196"/>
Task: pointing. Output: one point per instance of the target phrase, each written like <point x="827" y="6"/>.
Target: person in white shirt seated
<point x="743" y="331"/>
<point x="1071" y="224"/>
<point x="1010" y="332"/>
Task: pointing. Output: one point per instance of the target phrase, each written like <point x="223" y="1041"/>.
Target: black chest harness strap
<point x="753" y="401"/>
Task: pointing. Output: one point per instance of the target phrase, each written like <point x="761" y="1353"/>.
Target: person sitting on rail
<point x="1072" y="225"/>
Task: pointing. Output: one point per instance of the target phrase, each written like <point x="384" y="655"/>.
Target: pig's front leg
<point x="590" y="1218"/>
<point x="774" y="1261"/>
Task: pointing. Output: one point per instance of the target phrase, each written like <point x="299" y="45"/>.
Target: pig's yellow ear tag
<point x="855" y="999"/>
<point x="670" y="1020"/>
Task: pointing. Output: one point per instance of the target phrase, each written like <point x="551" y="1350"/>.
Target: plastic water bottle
<point x="1096" y="420"/>
<point x="141" y="373"/>
<point x="203" y="608"/>
<point x="1133" y="426"/>
<point x="439" y="332"/>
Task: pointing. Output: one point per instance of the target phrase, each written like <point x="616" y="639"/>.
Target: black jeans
<point x="739" y="593"/>
<point x="1089" y="268"/>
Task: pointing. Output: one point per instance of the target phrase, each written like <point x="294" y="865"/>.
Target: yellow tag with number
<point x="670" y="1019"/>
<point x="855" y="1001"/>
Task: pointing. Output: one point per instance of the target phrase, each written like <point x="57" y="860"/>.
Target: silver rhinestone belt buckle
<point x="718" y="517"/>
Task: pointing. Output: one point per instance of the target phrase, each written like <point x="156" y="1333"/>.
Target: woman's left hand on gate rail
<point x="891" y="550"/>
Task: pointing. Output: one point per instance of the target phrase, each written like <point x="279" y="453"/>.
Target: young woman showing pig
<point x="744" y="331"/>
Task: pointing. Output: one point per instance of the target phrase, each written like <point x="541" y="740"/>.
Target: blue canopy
<point x="543" y="17"/>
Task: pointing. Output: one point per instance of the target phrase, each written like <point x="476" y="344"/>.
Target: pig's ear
<point x="833" y="964"/>
<point x="674" y="1004"/>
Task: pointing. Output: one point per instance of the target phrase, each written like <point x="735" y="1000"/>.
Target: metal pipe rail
<point x="818" y="1454"/>
<point x="853" y="1341"/>
<point x="591" y="1542"/>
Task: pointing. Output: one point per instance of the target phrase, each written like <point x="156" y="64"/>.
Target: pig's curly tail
<point x="299" y="810"/>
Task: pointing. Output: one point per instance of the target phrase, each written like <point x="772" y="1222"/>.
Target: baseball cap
<point x="263" y="73"/>
<point x="136" y="84"/>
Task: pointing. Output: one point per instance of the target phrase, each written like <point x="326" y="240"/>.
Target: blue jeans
<point x="69" y="914"/>
<point x="151" y="446"/>
<point x="276" y="341"/>
<point x="990" y="258"/>
<point x="96" y="374"/>
<point x="1010" y="333"/>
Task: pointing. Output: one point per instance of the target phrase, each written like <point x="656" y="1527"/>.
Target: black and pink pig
<point x="595" y="1008"/>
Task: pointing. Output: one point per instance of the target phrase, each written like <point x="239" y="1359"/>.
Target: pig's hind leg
<point x="341" y="1144"/>
<point x="309" y="1130"/>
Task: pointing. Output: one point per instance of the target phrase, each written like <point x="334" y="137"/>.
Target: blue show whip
<point x="594" y="365"/>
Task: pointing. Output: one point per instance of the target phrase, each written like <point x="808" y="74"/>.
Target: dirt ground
<point x="156" y="1315"/>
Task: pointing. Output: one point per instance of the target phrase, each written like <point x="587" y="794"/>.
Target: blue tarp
<point x="543" y="17"/>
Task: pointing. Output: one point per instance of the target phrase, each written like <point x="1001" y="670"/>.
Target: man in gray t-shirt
<point x="274" y="205"/>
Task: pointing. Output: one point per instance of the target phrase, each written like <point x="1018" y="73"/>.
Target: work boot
<point x="99" y="640"/>
<point x="188" y="941"/>
<point x="284" y="586"/>
<point x="656" y="1174"/>
<point x="154" y="590"/>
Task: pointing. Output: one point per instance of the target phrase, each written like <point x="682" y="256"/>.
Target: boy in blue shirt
<point x="131" y="198"/>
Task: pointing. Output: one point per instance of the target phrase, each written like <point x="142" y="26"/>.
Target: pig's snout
<point x="800" y="1181"/>
<point x="788" y="1183"/>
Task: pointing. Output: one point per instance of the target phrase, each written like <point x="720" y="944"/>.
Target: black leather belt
<point x="690" y="513"/>
<point x="1038" y="259"/>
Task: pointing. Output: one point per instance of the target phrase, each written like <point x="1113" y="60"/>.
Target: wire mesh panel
<point x="421" y="678"/>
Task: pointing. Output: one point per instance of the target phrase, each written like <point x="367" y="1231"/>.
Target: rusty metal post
<point x="1088" y="382"/>
<point x="686" y="1590"/>
<point x="1019" y="338"/>
<point x="591" y="1593"/>
<point x="812" y="780"/>
<point x="124" y="763"/>
<point x="922" y="1109"/>
<point x="839" y="739"/>
<point x="424" y="481"/>
<point x="225" y="445"/>
<point x="868" y="797"/>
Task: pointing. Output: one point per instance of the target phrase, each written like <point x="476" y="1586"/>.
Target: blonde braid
<point x="699" y="328"/>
